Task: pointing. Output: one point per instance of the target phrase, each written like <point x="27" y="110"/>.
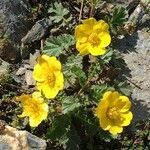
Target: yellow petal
<point x="102" y="108"/>
<point x="34" y="122"/>
<point x="105" y="39"/>
<point x="101" y="26"/>
<point x="105" y="123"/>
<point x="115" y="129"/>
<point x="82" y="31"/>
<point x="47" y="90"/>
<point x="124" y="104"/>
<point x="113" y="99"/>
<point x="40" y="73"/>
<point x="82" y="48"/>
<point x="127" y="117"/>
<point x="59" y="81"/>
<point x="96" y="50"/>
<point x="37" y="95"/>
<point x="90" y="22"/>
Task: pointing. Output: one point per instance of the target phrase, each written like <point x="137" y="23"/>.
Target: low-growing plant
<point x="80" y="94"/>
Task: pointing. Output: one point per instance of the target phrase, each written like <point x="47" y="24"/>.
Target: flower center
<point x="94" y="39"/>
<point x="113" y="113"/>
<point x="51" y="79"/>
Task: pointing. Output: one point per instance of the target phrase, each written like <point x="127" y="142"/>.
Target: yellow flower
<point x="34" y="108"/>
<point x="113" y="112"/>
<point x="92" y="37"/>
<point x="47" y="73"/>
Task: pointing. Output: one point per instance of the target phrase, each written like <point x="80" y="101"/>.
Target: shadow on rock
<point x="141" y="111"/>
<point x="126" y="44"/>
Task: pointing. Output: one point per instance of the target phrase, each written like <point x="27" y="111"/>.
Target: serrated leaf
<point x="73" y="62"/>
<point x="124" y="88"/>
<point x="71" y="140"/>
<point x="119" y="16"/>
<point x="60" y="15"/>
<point x="57" y="45"/>
<point x="59" y="127"/>
<point x="97" y="91"/>
<point x="106" y="58"/>
<point x="69" y="104"/>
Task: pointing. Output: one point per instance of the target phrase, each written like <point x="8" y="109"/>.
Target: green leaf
<point x="124" y="88"/>
<point x="106" y="58"/>
<point x="71" y="70"/>
<point x="69" y="104"/>
<point x="97" y="91"/>
<point x="71" y="139"/>
<point x="58" y="45"/>
<point x="119" y="16"/>
<point x="59" y="127"/>
<point x="80" y="75"/>
<point x="60" y="15"/>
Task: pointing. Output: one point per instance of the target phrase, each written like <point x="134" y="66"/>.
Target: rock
<point x="21" y="71"/>
<point x="33" y="58"/>
<point x="15" y="19"/>
<point x="136" y="52"/>
<point x="13" y="139"/>
<point x="139" y="15"/>
<point x="119" y="3"/>
<point x="37" y="32"/>
<point x="8" y="52"/>
<point x="29" y="78"/>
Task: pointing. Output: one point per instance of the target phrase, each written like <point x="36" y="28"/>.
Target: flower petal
<point x="96" y="50"/>
<point x="101" y="26"/>
<point x="40" y="71"/>
<point x="82" y="48"/>
<point x="82" y="31"/>
<point x="124" y="104"/>
<point x="47" y="90"/>
<point x="127" y="117"/>
<point x="34" y="122"/>
<point x="105" y="123"/>
<point x="90" y="22"/>
<point x="59" y="81"/>
<point x="115" y="129"/>
<point x="105" y="39"/>
<point x="53" y="63"/>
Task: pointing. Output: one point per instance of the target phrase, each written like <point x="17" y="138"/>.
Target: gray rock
<point x="14" y="19"/>
<point x="35" y="142"/>
<point x="140" y="15"/>
<point x="14" y="23"/>
<point x="4" y="145"/>
<point x="8" y="52"/>
<point x="136" y="52"/>
<point x="13" y="139"/>
<point x="38" y="31"/>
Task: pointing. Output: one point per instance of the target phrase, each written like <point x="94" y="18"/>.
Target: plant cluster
<point x="79" y="93"/>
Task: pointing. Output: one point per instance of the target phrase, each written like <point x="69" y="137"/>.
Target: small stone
<point x="33" y="58"/>
<point x="29" y="78"/>
<point x="21" y="71"/>
<point x="37" y="32"/>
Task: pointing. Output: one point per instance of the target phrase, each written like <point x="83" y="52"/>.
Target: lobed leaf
<point x="56" y="46"/>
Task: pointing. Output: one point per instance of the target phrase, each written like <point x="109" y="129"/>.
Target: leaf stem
<point x="81" y="9"/>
